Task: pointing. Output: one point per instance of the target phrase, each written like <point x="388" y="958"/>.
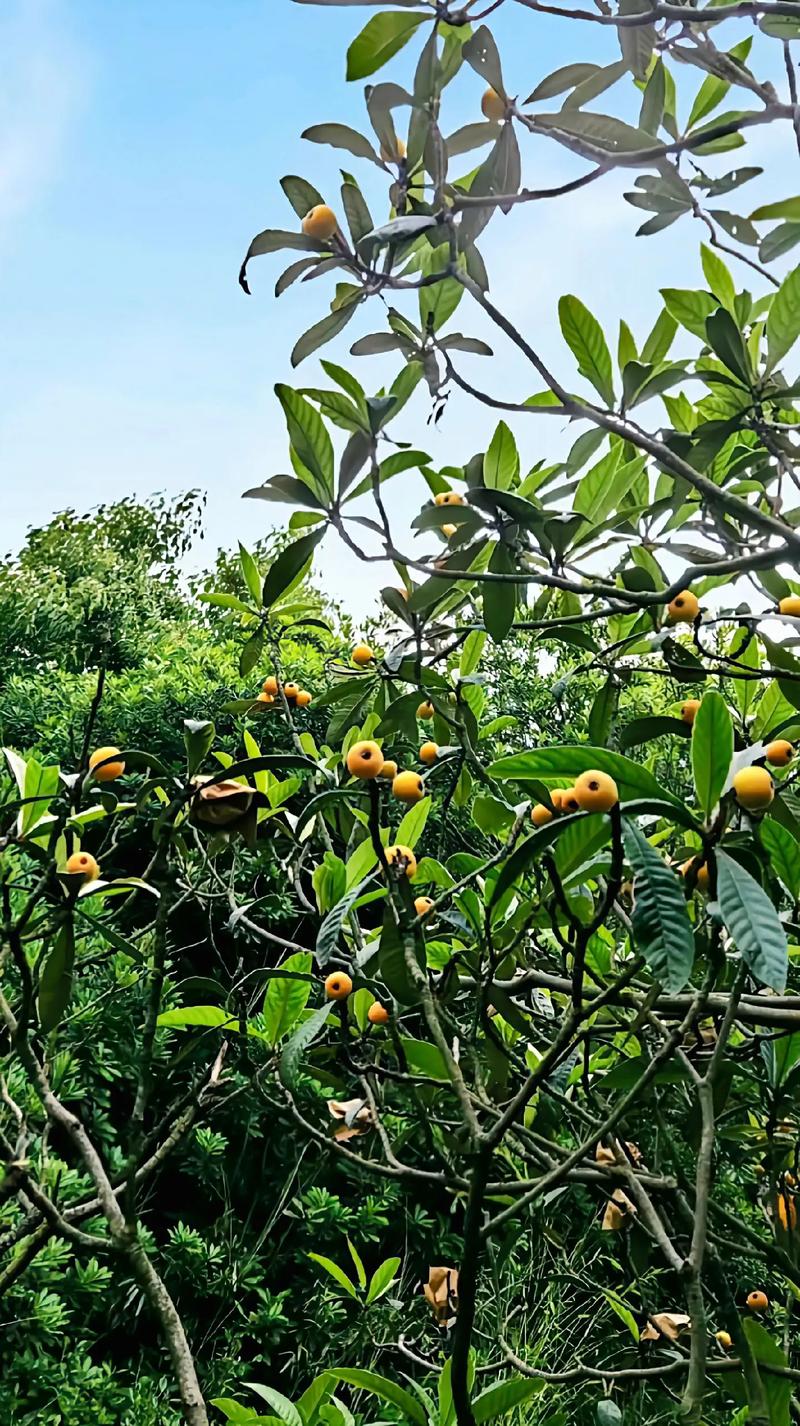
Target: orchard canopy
<point x="534" y="968"/>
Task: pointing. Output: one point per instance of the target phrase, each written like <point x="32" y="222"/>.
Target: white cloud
<point x="42" y="81"/>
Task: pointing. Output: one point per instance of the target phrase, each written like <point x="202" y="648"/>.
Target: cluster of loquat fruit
<point x="295" y="695"/>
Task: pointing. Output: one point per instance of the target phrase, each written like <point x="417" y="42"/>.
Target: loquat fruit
<point x="493" y="106"/>
<point x="786" y="1210"/>
<point x="725" y="1340"/>
<point x="779" y="753"/>
<point x="754" y="788"/>
<point x="263" y="697"/>
<point x="408" y="787"/>
<point x="540" y="814"/>
<point x="389" y="769"/>
<point x="684" y="608"/>
<point x="790" y="604"/>
<point x="425" y="710"/>
<point x="428" y="753"/>
<point x="362" y="655"/>
<point x="757" y="1301"/>
<point x="449" y="531"/>
<point x="303" y="698"/>
<point x="270" y="684"/>
<point x="449" y="497"/>
<point x="84" y="864"/>
<point x="422" y="905"/>
<point x="701" y="873"/>
<point x="109" y="770"/>
<point x="595" y="791"/>
<point x="569" y="801"/>
<point x="320" y="222"/>
<point x="377" y="1013"/>
<point x="291" y="691"/>
<point x="365" y="760"/>
<point x="338" y="985"/>
<point x="557" y="795"/>
<point x="689" y="710"/>
<point x="403" y="857"/>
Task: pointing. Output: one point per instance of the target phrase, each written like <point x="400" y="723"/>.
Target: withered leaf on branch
<point x="353" y="1115"/>
<point x="619" y="1212"/>
<point x="226" y="806"/>
<point x="671" y="1325"/>
<point x="441" y="1291"/>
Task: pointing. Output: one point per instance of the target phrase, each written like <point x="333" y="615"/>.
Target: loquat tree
<point x="548" y="982"/>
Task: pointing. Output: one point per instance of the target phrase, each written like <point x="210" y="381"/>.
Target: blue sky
<point x="141" y="143"/>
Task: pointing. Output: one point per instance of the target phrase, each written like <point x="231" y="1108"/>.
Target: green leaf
<point x="643" y="730"/>
<point x="284" y="1409"/>
<point x="784" y="208"/>
<point x="608" y="1413"/>
<point x="724" y="338"/>
<point x="689" y="309"/>
<point x="338" y="1274"/>
<point x="55" y="986"/>
<point x="784" y="853"/>
<point x="526" y="853"/>
<point x="359" y="1266"/>
<point x="712" y="750"/>
<point x="211" y="1017"/>
<point x="309" y="439"/>
<point x="567" y="77"/>
<point x="272" y="241"/>
<point x="711" y="93"/>
<point x="471" y="652"/>
<point x="661" y="926"/>
<point x="385" y="1390"/>
<point x="250" y="570"/>
<point x="286" y="998"/>
<point x="288" y="566"/>
<point x="783" y="320"/>
<point x="331" y="928"/>
<point x="605" y="486"/>
<point x="413" y="823"/>
<point x="555" y="764"/>
<point x="777" y="1389"/>
<point x="198" y="737"/>
<point x="584" y="336"/>
<point x="251" y="652"/>
<point x="602" y="130"/>
<point x="636" y="41"/>
<point x="303" y="1036"/>
<point x="501" y="462"/>
<point x="380" y="39"/>
<point x="481" y="53"/>
<point x="504" y="1396"/>
<point x="500" y="598"/>
<point x="602" y="711"/>
<point x="718" y="277"/>
<point x="315" y="1396"/>
<point x="623" y="1313"/>
<point x="660" y="339"/>
<point x="322" y="332"/>
<point x="753" y="923"/>
<point x="233" y="1411"/>
<point x="341" y="136"/>
<point x="382" y="1279"/>
<point x="392" y="966"/>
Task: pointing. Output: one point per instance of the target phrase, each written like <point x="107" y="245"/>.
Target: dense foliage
<point x="412" y="1026"/>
